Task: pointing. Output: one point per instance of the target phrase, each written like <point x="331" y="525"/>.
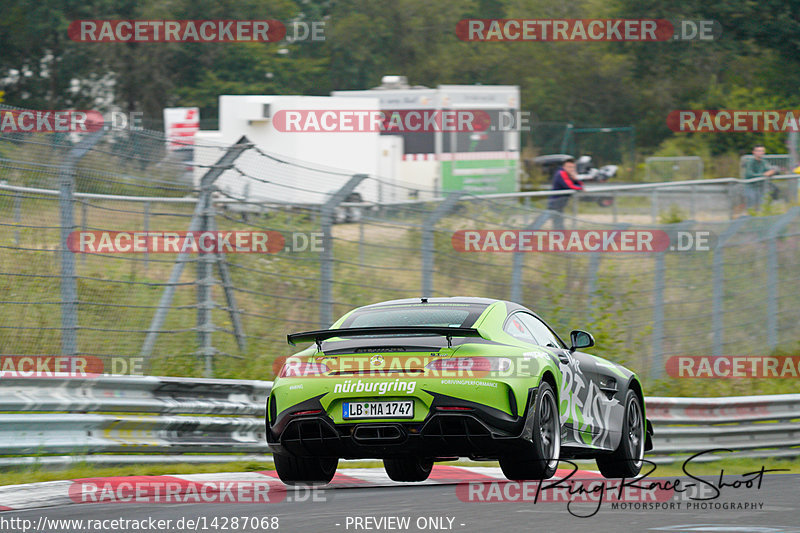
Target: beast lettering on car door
<point x="587" y="412"/>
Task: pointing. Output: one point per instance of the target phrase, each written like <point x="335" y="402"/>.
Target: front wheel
<point x="626" y="461"/>
<point x="408" y="468"/>
<point x="543" y="460"/>
<point x="305" y="470"/>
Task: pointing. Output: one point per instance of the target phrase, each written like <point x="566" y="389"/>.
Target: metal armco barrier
<point x="132" y="414"/>
<point x="750" y="426"/>
<point x="161" y="419"/>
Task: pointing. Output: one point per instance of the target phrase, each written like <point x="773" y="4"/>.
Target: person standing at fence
<point x="757" y="168"/>
<point x="565" y="178"/>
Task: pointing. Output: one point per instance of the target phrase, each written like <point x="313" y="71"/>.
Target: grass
<point x="16" y="476"/>
<point x="279" y="293"/>
<point x="730" y="467"/>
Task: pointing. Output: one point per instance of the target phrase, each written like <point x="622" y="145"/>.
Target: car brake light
<point x="309" y="412"/>
<point x="299" y="369"/>
<point x="460" y="364"/>
<point x="453" y="408"/>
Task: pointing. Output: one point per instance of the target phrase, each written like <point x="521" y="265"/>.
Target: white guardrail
<point x="636" y="189"/>
<point x="143" y="419"/>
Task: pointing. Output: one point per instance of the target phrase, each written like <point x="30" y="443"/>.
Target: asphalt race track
<point x="439" y="508"/>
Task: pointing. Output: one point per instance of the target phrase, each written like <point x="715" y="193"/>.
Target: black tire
<point x="542" y="462"/>
<point x="408" y="468"/>
<point x="626" y="460"/>
<point x="305" y="470"/>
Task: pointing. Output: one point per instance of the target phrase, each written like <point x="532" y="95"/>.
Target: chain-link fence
<point x="606" y="145"/>
<point x="783" y="162"/>
<point x="673" y="168"/>
<point x="227" y="314"/>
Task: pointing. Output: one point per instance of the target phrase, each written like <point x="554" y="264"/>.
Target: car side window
<point x="516" y="328"/>
<point x="542" y="334"/>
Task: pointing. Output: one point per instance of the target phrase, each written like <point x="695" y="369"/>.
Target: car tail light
<point x="309" y="412"/>
<point x="460" y="364"/>
<point x="453" y="408"/>
<point x="299" y="369"/>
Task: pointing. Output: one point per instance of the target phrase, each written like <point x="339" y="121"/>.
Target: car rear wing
<point x="323" y="334"/>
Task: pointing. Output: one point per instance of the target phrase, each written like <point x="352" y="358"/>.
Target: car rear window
<point x="451" y="315"/>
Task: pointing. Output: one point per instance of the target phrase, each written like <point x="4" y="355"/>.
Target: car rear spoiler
<point x="323" y="334"/>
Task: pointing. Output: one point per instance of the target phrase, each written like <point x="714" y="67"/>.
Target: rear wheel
<point x="542" y="462"/>
<point x="305" y="470"/>
<point x="626" y="460"/>
<point x="408" y="468"/>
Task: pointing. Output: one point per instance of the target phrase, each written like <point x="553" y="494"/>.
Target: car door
<point x="585" y="411"/>
<point x="604" y="403"/>
<point x="520" y="326"/>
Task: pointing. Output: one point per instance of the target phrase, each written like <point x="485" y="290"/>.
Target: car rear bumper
<point x="474" y="431"/>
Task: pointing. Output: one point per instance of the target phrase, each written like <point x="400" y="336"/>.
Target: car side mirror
<point x="580" y="339"/>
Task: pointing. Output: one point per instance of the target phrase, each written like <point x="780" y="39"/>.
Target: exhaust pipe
<point x="379" y="433"/>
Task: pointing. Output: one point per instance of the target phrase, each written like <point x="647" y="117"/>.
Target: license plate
<point x="403" y="409"/>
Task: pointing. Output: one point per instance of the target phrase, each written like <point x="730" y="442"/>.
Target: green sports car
<point x="421" y="380"/>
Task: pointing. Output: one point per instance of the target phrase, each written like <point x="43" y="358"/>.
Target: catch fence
<point x="227" y="314"/>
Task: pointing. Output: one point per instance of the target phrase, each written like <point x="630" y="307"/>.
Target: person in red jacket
<point x="566" y="177"/>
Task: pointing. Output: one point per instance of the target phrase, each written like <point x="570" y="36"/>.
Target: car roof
<point x="510" y="306"/>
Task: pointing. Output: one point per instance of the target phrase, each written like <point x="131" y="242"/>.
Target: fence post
<point x="225" y="162"/>
<point x="717" y="284"/>
<point x="428" y="241"/>
<point x="230" y="298"/>
<point x="205" y="284"/>
<point x="69" y="289"/>
<point x="657" y="366"/>
<point x="574" y="199"/>
<point x="84" y="225"/>
<point x="361" y="243"/>
<point x="17" y="217"/>
<point x="773" y="275"/>
<point x="654" y="205"/>
<point x="146" y="231"/>
<point x="731" y="199"/>
<point x="327" y="212"/>
<point x="591" y="285"/>
<point x="519" y="257"/>
<point x="614" y="206"/>
<point x="659" y="285"/>
<point x="594" y="268"/>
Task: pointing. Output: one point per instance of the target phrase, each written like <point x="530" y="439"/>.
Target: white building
<point x="305" y="166"/>
<point x="478" y="162"/>
<point x="311" y="162"/>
